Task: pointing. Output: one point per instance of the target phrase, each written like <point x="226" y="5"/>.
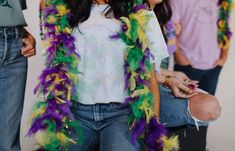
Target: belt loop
<point x="17" y="32"/>
<point x="6" y="45"/>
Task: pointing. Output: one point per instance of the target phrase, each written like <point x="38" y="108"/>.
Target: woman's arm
<point x="223" y="57"/>
<point x="153" y="86"/>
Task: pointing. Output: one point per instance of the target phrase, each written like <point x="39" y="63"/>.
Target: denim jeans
<point x="13" y="70"/>
<point x="105" y="126"/>
<point x="175" y="111"/>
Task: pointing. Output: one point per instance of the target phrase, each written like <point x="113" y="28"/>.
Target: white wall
<point x="221" y="136"/>
<point x="35" y="67"/>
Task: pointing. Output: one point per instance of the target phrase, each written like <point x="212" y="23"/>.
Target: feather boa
<point x="224" y="32"/>
<point x="52" y="121"/>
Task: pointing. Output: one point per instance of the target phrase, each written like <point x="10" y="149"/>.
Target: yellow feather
<point x="170" y="143"/>
<point x="145" y="106"/>
<point x="64" y="140"/>
<point x="44" y="138"/>
<point x="133" y="81"/>
<point x="51" y="19"/>
<point x="128" y="24"/>
<point x="36" y="113"/>
<point x="62" y="10"/>
<point x="142" y="18"/>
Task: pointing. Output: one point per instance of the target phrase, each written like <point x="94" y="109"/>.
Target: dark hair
<point x="81" y="9"/>
<point x="163" y="12"/>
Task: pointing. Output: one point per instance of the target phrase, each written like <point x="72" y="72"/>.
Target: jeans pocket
<point x="14" y="47"/>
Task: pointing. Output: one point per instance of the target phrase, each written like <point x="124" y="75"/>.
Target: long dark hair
<point x="81" y="9"/>
<point x="163" y="12"/>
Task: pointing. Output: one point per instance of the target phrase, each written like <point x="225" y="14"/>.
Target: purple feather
<point x="137" y="130"/>
<point x="153" y="134"/>
<point x="138" y="7"/>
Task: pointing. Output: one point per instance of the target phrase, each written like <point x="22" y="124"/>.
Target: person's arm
<point x="180" y="58"/>
<point x="153" y="86"/>
<point x="223" y="57"/>
<point x="177" y="17"/>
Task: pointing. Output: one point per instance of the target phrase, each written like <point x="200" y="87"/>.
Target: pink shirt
<point x="198" y="38"/>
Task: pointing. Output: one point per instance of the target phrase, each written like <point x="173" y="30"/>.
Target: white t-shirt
<point x="102" y="58"/>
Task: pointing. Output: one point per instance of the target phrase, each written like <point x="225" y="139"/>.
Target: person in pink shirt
<point x="198" y="54"/>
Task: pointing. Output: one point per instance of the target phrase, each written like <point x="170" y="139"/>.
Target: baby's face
<point x="154" y="2"/>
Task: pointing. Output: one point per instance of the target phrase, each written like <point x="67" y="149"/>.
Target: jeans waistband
<point x="112" y="105"/>
<point x="11" y="31"/>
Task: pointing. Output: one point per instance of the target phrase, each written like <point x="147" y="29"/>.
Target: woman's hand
<point x="29" y="48"/>
<point x="181" y="76"/>
<point x="181" y="89"/>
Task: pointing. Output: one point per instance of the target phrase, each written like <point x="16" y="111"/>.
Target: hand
<point x="181" y="76"/>
<point x="28" y="49"/>
<point x="220" y="62"/>
<point x="181" y="89"/>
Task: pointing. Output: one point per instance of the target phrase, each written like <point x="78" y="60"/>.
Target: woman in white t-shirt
<point x="101" y="88"/>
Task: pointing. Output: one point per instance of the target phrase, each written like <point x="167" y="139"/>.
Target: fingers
<point x="182" y="91"/>
<point x="181" y="94"/>
<point x="29" y="49"/>
<point x="30" y="53"/>
<point x="185" y="89"/>
<point x="178" y="93"/>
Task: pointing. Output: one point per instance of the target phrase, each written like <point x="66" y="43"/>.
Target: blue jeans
<point x="13" y="70"/>
<point x="175" y="111"/>
<point x="104" y="125"/>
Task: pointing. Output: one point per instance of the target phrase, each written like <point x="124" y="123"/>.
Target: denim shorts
<point x="175" y="112"/>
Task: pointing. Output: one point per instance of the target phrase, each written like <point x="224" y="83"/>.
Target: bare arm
<point x="223" y="57"/>
<point x="180" y="58"/>
<point x="153" y="86"/>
